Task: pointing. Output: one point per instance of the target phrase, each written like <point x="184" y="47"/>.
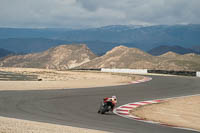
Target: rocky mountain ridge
<point x="61" y="58"/>
<point x="124" y="57"/>
<point x="80" y="57"/>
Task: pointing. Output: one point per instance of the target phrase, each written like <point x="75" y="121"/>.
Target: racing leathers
<point x="112" y="101"/>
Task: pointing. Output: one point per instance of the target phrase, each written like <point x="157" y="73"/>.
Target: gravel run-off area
<point x="182" y="112"/>
<point x="11" y="125"/>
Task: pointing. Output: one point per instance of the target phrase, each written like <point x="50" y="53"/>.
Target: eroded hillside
<point x="124" y="57"/>
<point x="61" y="58"/>
<point x="79" y="56"/>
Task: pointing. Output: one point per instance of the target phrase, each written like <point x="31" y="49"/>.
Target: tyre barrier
<point x="142" y="71"/>
<point x="146" y="71"/>
<point x="183" y="73"/>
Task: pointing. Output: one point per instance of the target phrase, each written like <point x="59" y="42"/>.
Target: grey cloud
<point x="90" y="5"/>
<point x="80" y="13"/>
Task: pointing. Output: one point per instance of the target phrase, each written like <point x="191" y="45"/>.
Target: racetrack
<point x="78" y="107"/>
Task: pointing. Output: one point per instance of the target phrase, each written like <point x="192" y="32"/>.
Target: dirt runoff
<point x="52" y="79"/>
<point x="9" y="125"/>
<point x="183" y="112"/>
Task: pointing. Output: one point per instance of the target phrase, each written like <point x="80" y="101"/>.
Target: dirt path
<point x="182" y="112"/>
<point x="52" y="79"/>
<point x="11" y="125"/>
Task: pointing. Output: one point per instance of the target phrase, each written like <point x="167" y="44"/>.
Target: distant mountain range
<point x="176" y="49"/>
<point x="32" y="45"/>
<point x="196" y="48"/>
<point x="4" y="52"/>
<point x="102" y="39"/>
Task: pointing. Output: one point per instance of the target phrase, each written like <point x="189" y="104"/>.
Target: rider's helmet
<point x="114" y="97"/>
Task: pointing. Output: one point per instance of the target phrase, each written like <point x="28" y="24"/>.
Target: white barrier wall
<point x="134" y="71"/>
<point x="198" y="74"/>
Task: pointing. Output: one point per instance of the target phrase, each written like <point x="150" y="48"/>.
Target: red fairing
<point x="107" y="99"/>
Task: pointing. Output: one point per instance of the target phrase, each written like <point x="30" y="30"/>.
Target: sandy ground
<point x="182" y="112"/>
<point x="52" y="79"/>
<point x="8" y="125"/>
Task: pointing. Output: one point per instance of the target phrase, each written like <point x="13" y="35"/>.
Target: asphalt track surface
<point x="78" y="107"/>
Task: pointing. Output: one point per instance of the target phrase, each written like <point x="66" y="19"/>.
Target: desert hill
<point x="124" y="57"/>
<point x="79" y="56"/>
<point x="60" y="58"/>
<point x="121" y="57"/>
<point x="170" y="54"/>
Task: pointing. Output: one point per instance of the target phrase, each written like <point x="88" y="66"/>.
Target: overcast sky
<point x="95" y="13"/>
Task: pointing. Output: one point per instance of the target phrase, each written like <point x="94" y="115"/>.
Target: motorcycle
<point x="105" y="107"/>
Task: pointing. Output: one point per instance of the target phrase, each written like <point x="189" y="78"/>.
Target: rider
<point x="112" y="99"/>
